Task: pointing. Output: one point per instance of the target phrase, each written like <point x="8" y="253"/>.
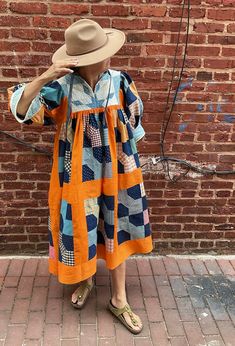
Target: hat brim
<point x="115" y="41"/>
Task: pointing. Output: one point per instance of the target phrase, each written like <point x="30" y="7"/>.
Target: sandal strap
<point x="120" y="311"/>
<point x="81" y="289"/>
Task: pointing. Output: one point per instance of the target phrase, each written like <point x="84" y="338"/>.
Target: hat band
<point x="89" y="51"/>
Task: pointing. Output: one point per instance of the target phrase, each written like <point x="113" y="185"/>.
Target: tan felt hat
<point x="89" y="42"/>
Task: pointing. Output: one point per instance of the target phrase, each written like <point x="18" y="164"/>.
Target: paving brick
<point x="25" y="287"/>
<point x="185" y="266"/>
<point x="214" y="340"/>
<point x="105" y="324"/>
<point x="207" y="284"/>
<point x="231" y="312"/>
<point x="68" y="342"/>
<point x="144" y="267"/>
<point x="4" y="267"/>
<point x="51" y="335"/>
<point x="88" y="314"/>
<point x="55" y="288"/>
<point x="88" y="335"/>
<point x="35" y="325"/>
<point x="178" y="286"/>
<point x="107" y="342"/>
<point x="171" y="266"/>
<point x="15" y="267"/>
<point x="11" y="281"/>
<point x="179" y="341"/>
<point x="4" y="319"/>
<point x="131" y="267"/>
<point x="15" y="335"/>
<point x="39" y="297"/>
<point x="159" y="335"/>
<point x="173" y="322"/>
<point x="195" y="293"/>
<point x="153" y="309"/>
<point x="41" y="281"/>
<point x="225" y="289"/>
<point x="161" y="280"/>
<point x="135" y="297"/>
<point x="199" y="267"/>
<point x="185" y="308"/>
<point x="157" y="266"/>
<point x="166" y="297"/>
<point x="206" y="321"/>
<point x="103" y="296"/>
<point x="70" y="326"/>
<point x="28" y="342"/>
<point x="194" y="334"/>
<point x="7" y="298"/>
<point x="139" y="341"/>
<point x="132" y="281"/>
<point x="226" y="267"/>
<point x="54" y="310"/>
<point x="227" y="331"/>
<point x="123" y="336"/>
<point x="30" y="267"/>
<point x="148" y="286"/>
<point x="42" y="269"/>
<point x="217" y="309"/>
<point x="212" y="267"/>
<point x="20" y="311"/>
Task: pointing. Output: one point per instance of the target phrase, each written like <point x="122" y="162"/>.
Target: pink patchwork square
<point x="51" y="252"/>
<point x="146" y="217"/>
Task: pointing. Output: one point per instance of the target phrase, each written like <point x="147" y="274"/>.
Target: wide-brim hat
<point x="86" y="40"/>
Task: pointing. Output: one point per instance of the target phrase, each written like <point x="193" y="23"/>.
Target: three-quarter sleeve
<point x="43" y="107"/>
<point x="133" y="105"/>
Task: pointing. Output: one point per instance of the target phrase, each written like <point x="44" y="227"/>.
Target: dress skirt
<point x="97" y="200"/>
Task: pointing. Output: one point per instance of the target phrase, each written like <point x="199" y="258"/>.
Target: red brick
<point x="144" y="267"/>
<point x="148" y="11"/>
<point x="20" y="311"/>
<point x="226" y="267"/>
<point x="166" y="297"/>
<point x="28" y="8"/>
<point x="185" y="266"/>
<point x="159" y="334"/>
<point x="38" y="301"/>
<point x="70" y="326"/>
<point x="4" y="320"/>
<point x="88" y="335"/>
<point x="67" y="9"/>
<point x="105" y="324"/>
<point x="15" y="335"/>
<point x="52" y="335"/>
<point x="153" y="310"/>
<point x="4" y="266"/>
<point x="35" y="325"/>
<point x="173" y="322"/>
<point x="194" y="333"/>
<point x="7" y="298"/>
<point x="15" y="267"/>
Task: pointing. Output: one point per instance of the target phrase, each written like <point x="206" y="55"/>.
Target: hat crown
<point x="84" y="36"/>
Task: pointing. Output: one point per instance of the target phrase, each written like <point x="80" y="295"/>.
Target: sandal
<point x="118" y="312"/>
<point x="82" y="293"/>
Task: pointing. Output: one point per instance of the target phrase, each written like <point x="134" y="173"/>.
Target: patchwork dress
<point x="97" y="201"/>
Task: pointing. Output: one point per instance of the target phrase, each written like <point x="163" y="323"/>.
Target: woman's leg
<point x="118" y="276"/>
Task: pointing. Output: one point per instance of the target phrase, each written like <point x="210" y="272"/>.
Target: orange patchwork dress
<point x="97" y="200"/>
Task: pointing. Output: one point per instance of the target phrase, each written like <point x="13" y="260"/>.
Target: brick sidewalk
<point x="181" y="302"/>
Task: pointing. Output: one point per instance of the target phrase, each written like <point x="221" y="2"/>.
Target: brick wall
<point x="195" y="214"/>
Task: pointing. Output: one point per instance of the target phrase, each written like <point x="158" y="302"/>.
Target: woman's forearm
<point x="30" y="92"/>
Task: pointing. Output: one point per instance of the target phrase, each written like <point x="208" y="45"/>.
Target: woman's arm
<point x="32" y="89"/>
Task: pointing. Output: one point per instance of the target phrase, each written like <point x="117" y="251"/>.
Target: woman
<point x="97" y="200"/>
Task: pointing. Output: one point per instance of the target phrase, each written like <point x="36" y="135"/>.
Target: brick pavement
<point x="182" y="301"/>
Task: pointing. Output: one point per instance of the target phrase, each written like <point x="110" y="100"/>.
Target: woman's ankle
<point x="119" y="301"/>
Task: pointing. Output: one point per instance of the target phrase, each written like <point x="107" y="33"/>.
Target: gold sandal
<point x="118" y="312"/>
<point x="82" y="293"/>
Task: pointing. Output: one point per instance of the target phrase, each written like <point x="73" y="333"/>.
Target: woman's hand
<point x="59" y="69"/>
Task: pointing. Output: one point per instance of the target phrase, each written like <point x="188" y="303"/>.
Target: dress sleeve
<point x="43" y="108"/>
<point x="132" y="105"/>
